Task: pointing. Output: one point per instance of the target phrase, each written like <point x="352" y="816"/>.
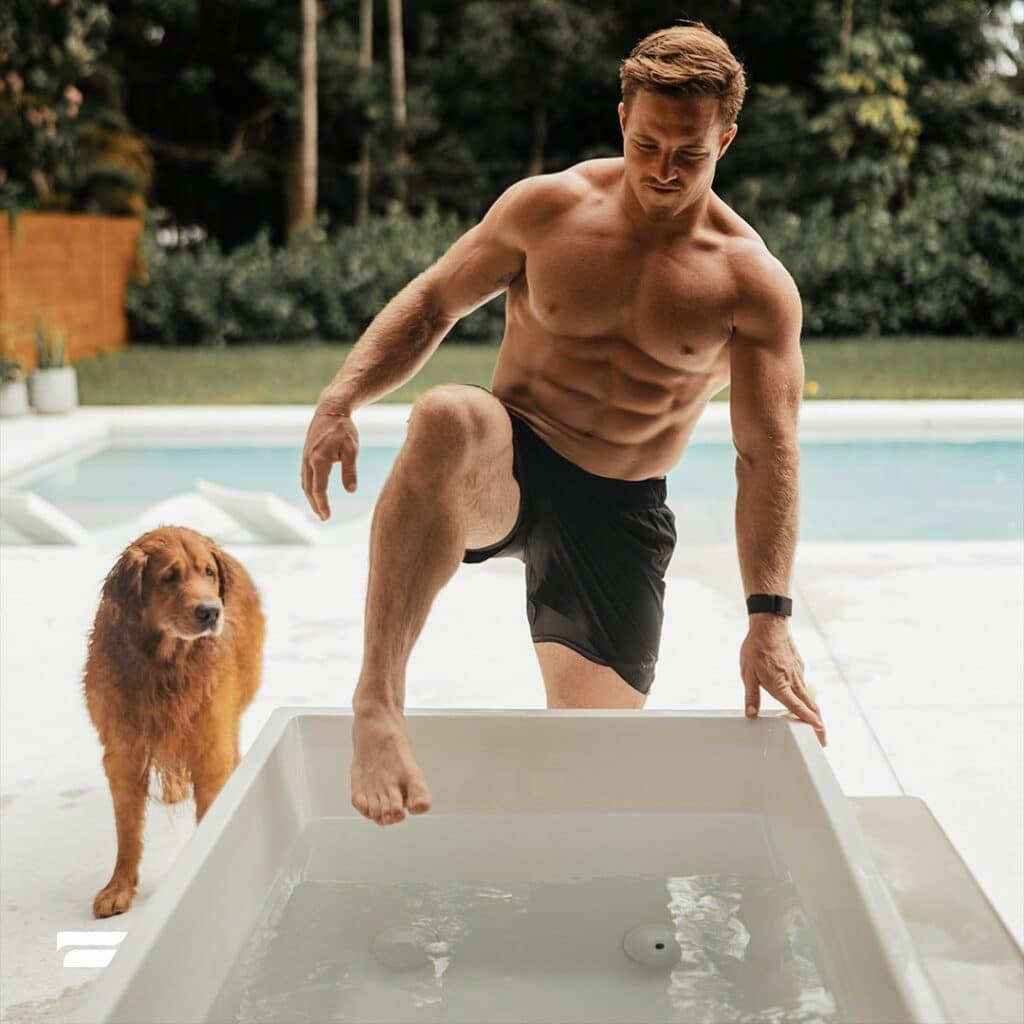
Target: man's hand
<point x="332" y="437"/>
<point x="769" y="658"/>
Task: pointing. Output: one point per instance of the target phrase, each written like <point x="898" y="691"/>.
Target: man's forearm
<point x="392" y="349"/>
<point x="767" y="518"/>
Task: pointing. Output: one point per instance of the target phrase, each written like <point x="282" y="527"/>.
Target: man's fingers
<point x="331" y="438"/>
<point x="805" y="691"/>
<point x="787" y="695"/>
<point x="807" y="695"/>
<point x="348" y="472"/>
<point x="320" y="470"/>
<point x="752" y="690"/>
<point x="307" y="486"/>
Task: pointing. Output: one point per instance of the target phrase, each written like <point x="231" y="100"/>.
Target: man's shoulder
<point x="763" y="287"/>
<point x="543" y="196"/>
<point x="758" y="274"/>
<point x="600" y="173"/>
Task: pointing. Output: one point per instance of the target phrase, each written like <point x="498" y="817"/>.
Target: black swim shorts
<point x="596" y="550"/>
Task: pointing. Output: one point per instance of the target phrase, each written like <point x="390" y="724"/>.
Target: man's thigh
<point x="573" y="681"/>
<point x="490" y="487"/>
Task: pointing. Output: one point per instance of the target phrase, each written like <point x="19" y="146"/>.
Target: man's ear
<point x="123" y="584"/>
<point x="726" y="140"/>
<point x="622" y="117"/>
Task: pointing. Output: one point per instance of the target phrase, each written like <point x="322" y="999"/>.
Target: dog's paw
<point x="116" y="898"/>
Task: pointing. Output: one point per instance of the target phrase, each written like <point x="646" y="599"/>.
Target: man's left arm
<point x="767" y="379"/>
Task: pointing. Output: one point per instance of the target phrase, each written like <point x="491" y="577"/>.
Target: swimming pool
<point x="884" y="490"/>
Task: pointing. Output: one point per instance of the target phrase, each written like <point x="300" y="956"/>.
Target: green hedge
<point x="949" y="261"/>
<point x="310" y="289"/>
<point x="936" y="267"/>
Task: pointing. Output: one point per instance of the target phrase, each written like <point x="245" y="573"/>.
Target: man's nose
<point x="207" y="612"/>
<point x="665" y="173"/>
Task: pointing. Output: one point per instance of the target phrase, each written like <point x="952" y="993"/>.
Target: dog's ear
<point x="123" y="584"/>
<point x="225" y="572"/>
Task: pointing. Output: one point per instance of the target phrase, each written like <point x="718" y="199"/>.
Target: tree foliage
<point x="64" y="140"/>
<point x="904" y="117"/>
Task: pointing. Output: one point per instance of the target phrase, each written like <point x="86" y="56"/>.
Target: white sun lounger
<point x="39" y="521"/>
<point x="262" y="513"/>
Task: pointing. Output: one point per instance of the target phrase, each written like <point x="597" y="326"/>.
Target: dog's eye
<point x="171" y="577"/>
<point x="209" y="571"/>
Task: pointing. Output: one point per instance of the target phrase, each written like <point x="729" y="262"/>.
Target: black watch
<point x="774" y="603"/>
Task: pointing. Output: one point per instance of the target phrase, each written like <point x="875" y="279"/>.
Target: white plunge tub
<point x="654" y="866"/>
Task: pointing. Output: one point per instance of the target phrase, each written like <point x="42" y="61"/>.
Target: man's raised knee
<point x="445" y="421"/>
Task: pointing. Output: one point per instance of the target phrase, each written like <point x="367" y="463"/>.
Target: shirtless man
<point x="634" y="294"/>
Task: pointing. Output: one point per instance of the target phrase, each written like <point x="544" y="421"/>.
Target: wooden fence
<point x="71" y="269"/>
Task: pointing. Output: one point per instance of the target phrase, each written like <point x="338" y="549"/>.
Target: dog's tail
<point x="176" y="784"/>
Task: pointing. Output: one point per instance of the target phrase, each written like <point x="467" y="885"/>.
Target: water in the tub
<point x="529" y="919"/>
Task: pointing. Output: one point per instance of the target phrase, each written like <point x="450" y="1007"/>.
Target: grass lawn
<point x="896" y="367"/>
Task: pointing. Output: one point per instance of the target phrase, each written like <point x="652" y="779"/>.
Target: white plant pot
<point x="13" y="398"/>
<point x="54" y="390"/>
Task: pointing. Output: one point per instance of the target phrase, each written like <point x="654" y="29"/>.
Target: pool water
<point x="891" y="490"/>
<point x="530" y="949"/>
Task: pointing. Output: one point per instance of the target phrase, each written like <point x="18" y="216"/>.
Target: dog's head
<point x="173" y="580"/>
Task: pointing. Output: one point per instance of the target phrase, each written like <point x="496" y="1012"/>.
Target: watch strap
<point x="776" y="604"/>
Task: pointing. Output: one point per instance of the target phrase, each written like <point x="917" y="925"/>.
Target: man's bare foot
<point x="386" y="780"/>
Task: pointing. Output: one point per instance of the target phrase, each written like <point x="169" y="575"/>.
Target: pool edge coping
<point x="36" y="439"/>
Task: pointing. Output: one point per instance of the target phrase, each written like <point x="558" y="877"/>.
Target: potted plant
<point x="53" y="385"/>
<point x="13" y="392"/>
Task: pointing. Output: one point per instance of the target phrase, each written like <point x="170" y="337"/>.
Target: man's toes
<point x="374" y="814"/>
<point x="419" y="799"/>
<point x="390" y="807"/>
<point x="396" y="804"/>
<point x="361" y="803"/>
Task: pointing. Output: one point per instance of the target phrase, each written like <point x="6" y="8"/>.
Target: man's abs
<point x="615" y="341"/>
<point x="594" y="413"/>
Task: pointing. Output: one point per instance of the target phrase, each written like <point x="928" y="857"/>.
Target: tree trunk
<point x="540" y="134"/>
<point x="846" y="26"/>
<point x="294" y="201"/>
<point x="366" y="139"/>
<point x="44" y="187"/>
<point x="397" y="50"/>
<point x="302" y="207"/>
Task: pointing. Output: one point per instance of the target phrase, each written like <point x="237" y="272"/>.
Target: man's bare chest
<point x="676" y="306"/>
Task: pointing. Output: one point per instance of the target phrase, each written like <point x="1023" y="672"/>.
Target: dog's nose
<point x="207" y="612"/>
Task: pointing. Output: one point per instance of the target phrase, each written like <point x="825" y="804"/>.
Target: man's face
<point x="671" y="146"/>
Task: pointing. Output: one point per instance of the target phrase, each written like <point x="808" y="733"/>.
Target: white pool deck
<point x="916" y="650"/>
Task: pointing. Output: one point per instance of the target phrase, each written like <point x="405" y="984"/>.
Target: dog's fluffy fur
<point x="175" y="656"/>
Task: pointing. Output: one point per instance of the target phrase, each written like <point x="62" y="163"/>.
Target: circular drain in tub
<point x="652" y="944"/>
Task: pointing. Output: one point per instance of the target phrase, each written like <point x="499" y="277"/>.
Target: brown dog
<point x="175" y="656"/>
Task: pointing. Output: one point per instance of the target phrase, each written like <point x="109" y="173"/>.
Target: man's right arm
<point x="407" y="331"/>
<point x="402" y="337"/>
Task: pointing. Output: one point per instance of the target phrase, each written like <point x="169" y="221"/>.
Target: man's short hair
<point x="686" y="60"/>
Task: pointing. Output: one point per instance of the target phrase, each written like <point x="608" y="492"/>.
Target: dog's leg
<point x="213" y="752"/>
<point x="209" y="774"/>
<point x="128" y="778"/>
